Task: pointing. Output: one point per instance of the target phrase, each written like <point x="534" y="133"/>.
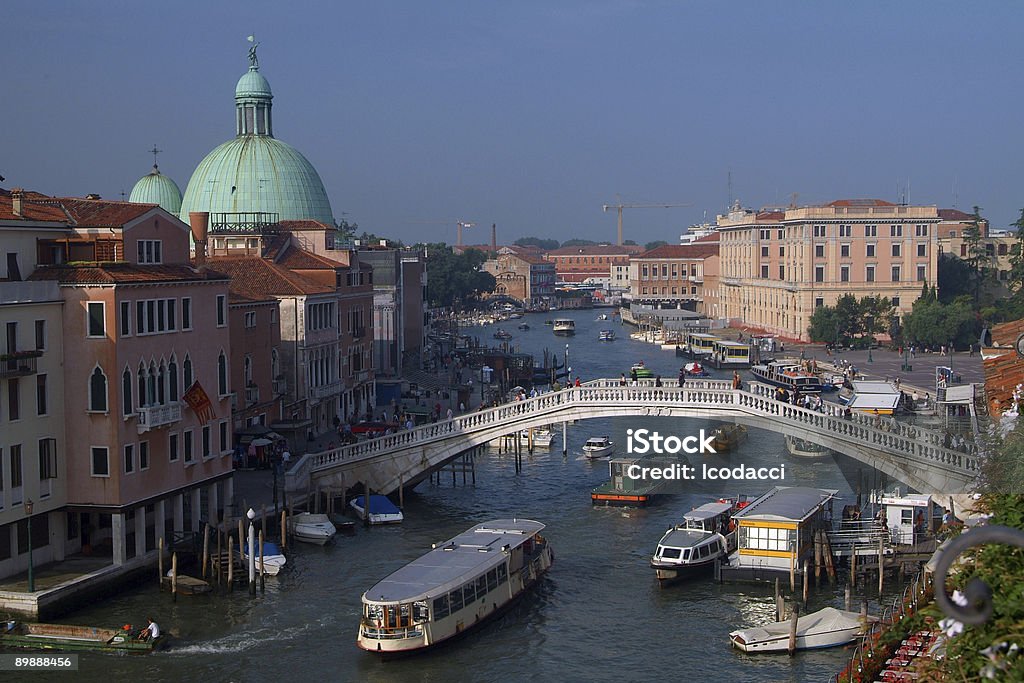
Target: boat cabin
<point x="868" y="397"/>
<point x="625" y="490"/>
<point x="730" y="354"/>
<point x="912" y="517"/>
<point x="776" y="532"/>
<point x="700" y="344"/>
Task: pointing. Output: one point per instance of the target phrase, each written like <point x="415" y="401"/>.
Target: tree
<point x="955" y="278"/>
<point x="934" y="323"/>
<point x="547" y="245"/>
<point x="576" y="242"/>
<point x="978" y="258"/>
<point x="655" y="244"/>
<point x="851" y="318"/>
<point x="824" y="325"/>
<point x="1017" y="257"/>
<point x="456" y="280"/>
<point x="631" y="243"/>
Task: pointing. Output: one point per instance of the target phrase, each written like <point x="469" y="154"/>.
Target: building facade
<point x="777" y="266"/>
<point x="256" y="376"/>
<point x="522" y="275"/>
<point x="399" y="299"/>
<point x="576" y="264"/>
<point x="673" y="276"/>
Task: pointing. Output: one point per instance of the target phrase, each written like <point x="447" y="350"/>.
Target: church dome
<point x="156" y="188"/>
<point x="255" y="172"/>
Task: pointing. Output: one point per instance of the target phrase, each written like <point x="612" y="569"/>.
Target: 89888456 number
<point x="58" y="662"/>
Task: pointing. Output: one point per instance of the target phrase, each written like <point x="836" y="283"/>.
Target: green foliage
<point x="956" y="278"/>
<point x="851" y="319"/>
<point x="934" y="323"/>
<point x="576" y="242"/>
<point x="655" y="244"/>
<point x="1017" y="259"/>
<point x="631" y="243"/>
<point x="456" y="281"/>
<point x="978" y="259"/>
<point x="536" y="242"/>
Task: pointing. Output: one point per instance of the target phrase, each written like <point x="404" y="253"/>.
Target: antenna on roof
<point x="728" y="207"/>
<point x="955" y="196"/>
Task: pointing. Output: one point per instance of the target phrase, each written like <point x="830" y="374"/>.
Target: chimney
<point x="92" y="196"/>
<point x="494" y="237"/>
<point x="200" y="222"/>
<point x="16" y="202"/>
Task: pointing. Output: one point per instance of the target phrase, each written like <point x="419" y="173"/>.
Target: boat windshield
<point x="670" y="553"/>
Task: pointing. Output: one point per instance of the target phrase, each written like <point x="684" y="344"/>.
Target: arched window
<point x="247" y="369"/>
<point x="222" y="374"/>
<point x="274" y="372"/>
<point x="186" y="373"/>
<point x="172" y="379"/>
<point x="161" y="384"/>
<point x="127" y="405"/>
<point x="98" y="391"/>
<point x="142" y="386"/>
<point x="151" y="385"/>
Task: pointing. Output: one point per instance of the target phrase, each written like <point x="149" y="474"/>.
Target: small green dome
<point x="156" y="188"/>
<point x="253" y="84"/>
<point x="257" y="173"/>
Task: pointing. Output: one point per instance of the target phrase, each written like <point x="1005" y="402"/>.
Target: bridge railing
<point x="888" y="436"/>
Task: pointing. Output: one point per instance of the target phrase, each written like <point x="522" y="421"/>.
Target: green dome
<point x="257" y="173"/>
<point x="156" y="188"/>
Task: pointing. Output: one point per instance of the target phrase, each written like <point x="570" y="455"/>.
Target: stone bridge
<point x="907" y="453"/>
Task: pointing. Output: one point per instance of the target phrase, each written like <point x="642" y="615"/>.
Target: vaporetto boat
<point x="458" y="585"/>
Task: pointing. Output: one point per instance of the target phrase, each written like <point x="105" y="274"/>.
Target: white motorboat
<point x="603" y="316"/>
<point x="606" y="335"/>
<point x="564" y="327"/>
<point x="382" y="510"/>
<point x="541" y="437"/>
<point x="310" y="528"/>
<point x="273" y="558"/>
<point x="706" y="536"/>
<point x="828" y="627"/>
<point x="598" y="447"/>
<point x="805" y="449"/>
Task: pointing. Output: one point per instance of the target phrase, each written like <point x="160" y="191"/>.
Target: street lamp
<point x="28" y="517"/>
<point x="251" y="514"/>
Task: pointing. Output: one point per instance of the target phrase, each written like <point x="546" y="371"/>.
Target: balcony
<point x="325" y="390"/>
<point x="152" y="417"/>
<point x="252" y="395"/>
<point x="18" y="363"/>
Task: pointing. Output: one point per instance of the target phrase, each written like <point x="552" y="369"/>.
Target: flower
<point x="951" y="627"/>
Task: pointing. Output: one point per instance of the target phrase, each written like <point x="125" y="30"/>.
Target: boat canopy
<point x="881" y="402"/>
<point x="864" y="387"/>
<point x="795" y="503"/>
<point x="707" y="511"/>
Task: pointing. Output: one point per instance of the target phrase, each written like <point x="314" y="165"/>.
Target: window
<point x="98" y="391"/>
<point x="12" y="337"/>
<point x="13" y="399"/>
<point x="819" y="302"/>
<point x="844" y="273"/>
<point x="221" y="317"/>
<point x="149" y="251"/>
<point x="172" y="381"/>
<point x="764" y="270"/>
<point x="127" y="406"/>
<point x="222" y="374"/>
<point x="952" y="233"/>
<point x="129" y="458"/>
<point x="47" y="459"/>
<point x="782" y="233"/>
<point x="869" y="251"/>
<point x="186" y="313"/>
<point x="922" y="231"/>
<point x="869" y="275"/>
<point x="250" y="319"/>
<point x="921" y="270"/>
<point x="172" y="447"/>
<point x="187" y="445"/>
<point x="895" y="273"/>
<point x="16" y="474"/>
<point x="100" y="462"/>
<point x="273" y="314"/>
<point x="895" y="231"/>
<point x="922" y="250"/>
<point x="126" y="318"/>
<point x="41" y="406"/>
<point x="1002" y="252"/>
<point x="206" y="441"/>
<point x="643" y="270"/>
<point x="819" y="251"/>
<point x="896" y="250"/>
<point x="963" y="249"/>
<point x="186" y="373"/>
<point x="782" y="272"/>
<point x="819" y="273"/>
<point x="819" y="231"/>
<point x="895" y="302"/>
<point x="143" y="455"/>
<point x="96" y="323"/>
<point x="223" y="436"/>
<point x="844" y="251"/>
<point x="41" y="328"/>
<point x="871" y="231"/>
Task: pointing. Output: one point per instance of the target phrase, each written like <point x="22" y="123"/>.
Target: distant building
<point x="576" y="264"/>
<point x="399" y="307"/>
<point x="522" y="275"/>
<point x="676" y="276"/>
<point x="999" y="247"/>
<point x="779" y="265"/>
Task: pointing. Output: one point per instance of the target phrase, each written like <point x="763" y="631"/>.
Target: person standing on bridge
<point x="737" y="383"/>
<point x="682" y="376"/>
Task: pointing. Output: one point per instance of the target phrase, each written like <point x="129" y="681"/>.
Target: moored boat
<point x="524" y="326"/>
<point x="541" y="437"/>
<point x="457" y="586"/>
<point x="696" y="370"/>
<point x="706" y="536"/>
<point x="597" y="447"/>
<point x="805" y="449"/>
<point x="727" y="437"/>
<point x="310" y="528"/>
<point x="382" y="510"/>
<point x="606" y="335"/>
<point x="68" y="637"/>
<point x="827" y="627"/>
<point x="787" y="375"/>
<point x="273" y="559"/>
<point x="502" y="334"/>
<point x="564" y="327"/>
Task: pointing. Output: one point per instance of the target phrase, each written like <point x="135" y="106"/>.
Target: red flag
<point x="199" y="402"/>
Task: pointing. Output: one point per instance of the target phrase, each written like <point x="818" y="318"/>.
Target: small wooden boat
<point x="382" y="510"/>
<point x="728" y="437"/>
<point x="606" y="335"/>
<point x="310" y="528"/>
<point x="597" y="447"/>
<point x="828" y="627"/>
<point x="67" y="637"/>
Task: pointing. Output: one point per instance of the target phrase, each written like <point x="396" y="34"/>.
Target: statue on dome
<point x="254" y="62"/>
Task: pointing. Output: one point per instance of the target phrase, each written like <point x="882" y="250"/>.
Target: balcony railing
<point x="19" y="364"/>
<point x="152" y="417"/>
<point x="325" y="390"/>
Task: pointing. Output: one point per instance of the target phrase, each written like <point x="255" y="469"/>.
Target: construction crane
<point x="620" y="206"/>
<point x="460" y="225"/>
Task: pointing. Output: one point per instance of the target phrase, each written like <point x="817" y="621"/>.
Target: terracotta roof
<point x="274" y="245"/>
<point x="1005" y="334"/>
<point x="597" y="250"/>
<point x="1003" y="372"/>
<point x="31" y="209"/>
<point x="297" y="258"/>
<point x="123" y="273"/>
<point x="305" y="224"/>
<point x="690" y="251"/>
<point x="770" y="215"/>
<point x="255" y="277"/>
<point x="100" y="213"/>
<point x="713" y="237"/>
<point x="860" y="202"/>
<point x="239" y="297"/>
<point x="530" y="257"/>
<point x="954" y="215"/>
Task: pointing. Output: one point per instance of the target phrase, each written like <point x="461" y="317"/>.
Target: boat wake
<point x="240" y="642"/>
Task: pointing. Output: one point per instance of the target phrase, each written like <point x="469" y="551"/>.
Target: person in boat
<point x="151" y="632"/>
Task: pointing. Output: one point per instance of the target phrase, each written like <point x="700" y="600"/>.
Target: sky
<point x="532" y="114"/>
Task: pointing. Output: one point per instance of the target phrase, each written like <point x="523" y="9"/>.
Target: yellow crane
<point x="620" y="206"/>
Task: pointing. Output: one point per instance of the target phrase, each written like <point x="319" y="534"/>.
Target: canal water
<point x="599" y="614"/>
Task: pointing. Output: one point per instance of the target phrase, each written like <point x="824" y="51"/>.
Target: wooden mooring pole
<point x="174" y="577"/>
<point x="792" y="628"/>
<point x="817" y="556"/>
<point x="807" y="579"/>
<point x="263" y="571"/>
<point x="780" y="605"/>
<point x="792" y="572"/>
<point x="284" y="529"/>
<point x="881" y="565"/>
<point x="206" y="548"/>
<point x="231" y="563"/>
<point x="160" y="560"/>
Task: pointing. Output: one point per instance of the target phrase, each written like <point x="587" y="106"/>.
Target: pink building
<point x="141" y="326"/>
